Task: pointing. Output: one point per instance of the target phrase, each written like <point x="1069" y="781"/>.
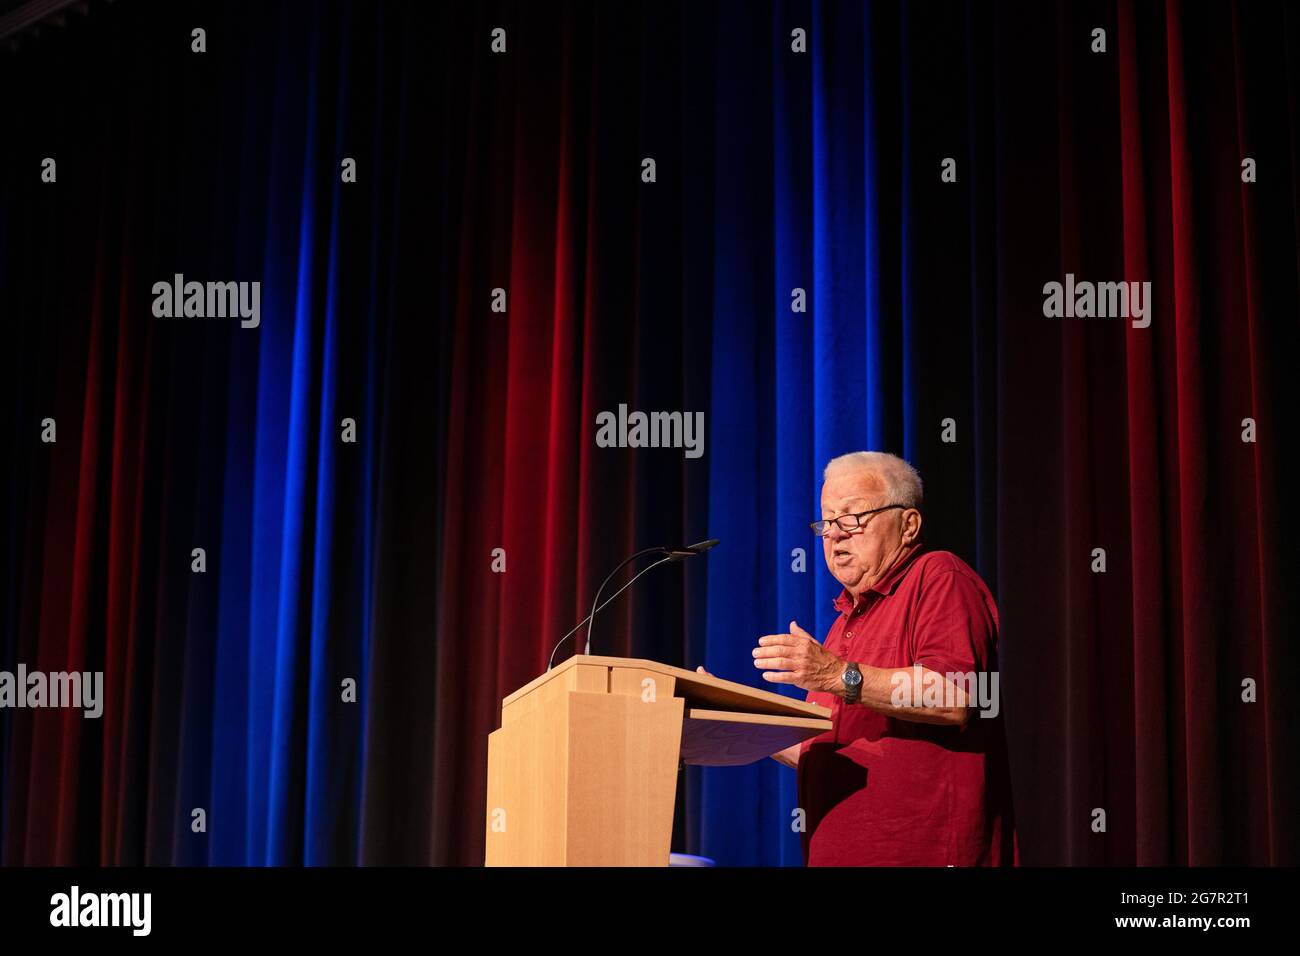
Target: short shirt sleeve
<point x="953" y="631"/>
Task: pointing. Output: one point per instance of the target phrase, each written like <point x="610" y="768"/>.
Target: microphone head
<point x="691" y="550"/>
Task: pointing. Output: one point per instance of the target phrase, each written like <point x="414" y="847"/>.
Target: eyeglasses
<point x="847" y="522"/>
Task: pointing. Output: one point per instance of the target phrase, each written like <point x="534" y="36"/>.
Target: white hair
<point x="902" y="482"/>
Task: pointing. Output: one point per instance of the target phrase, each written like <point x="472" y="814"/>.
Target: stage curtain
<point x="395" y="478"/>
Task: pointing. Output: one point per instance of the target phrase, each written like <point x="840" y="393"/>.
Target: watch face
<point x="853" y="678"/>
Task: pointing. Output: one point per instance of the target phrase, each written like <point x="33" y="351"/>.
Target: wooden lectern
<point x="583" y="770"/>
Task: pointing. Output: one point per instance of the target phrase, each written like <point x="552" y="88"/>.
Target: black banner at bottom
<point x="122" y="906"/>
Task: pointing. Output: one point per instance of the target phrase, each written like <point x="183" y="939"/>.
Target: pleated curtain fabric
<point x="394" y="479"/>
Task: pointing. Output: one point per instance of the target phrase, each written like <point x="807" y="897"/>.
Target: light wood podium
<point x="583" y="770"/>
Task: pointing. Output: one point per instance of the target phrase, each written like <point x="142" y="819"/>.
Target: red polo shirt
<point x="880" y="791"/>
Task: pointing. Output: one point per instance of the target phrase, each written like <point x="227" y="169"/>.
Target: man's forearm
<point x="880" y="687"/>
<point x="789" y="757"/>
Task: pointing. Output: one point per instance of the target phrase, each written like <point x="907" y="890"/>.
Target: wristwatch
<point x="852" y="678"/>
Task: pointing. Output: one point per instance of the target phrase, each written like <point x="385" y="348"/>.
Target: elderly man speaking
<point x="914" y="770"/>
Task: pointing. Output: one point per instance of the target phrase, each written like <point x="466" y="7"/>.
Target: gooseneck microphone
<point x="609" y="600"/>
<point x="669" y="555"/>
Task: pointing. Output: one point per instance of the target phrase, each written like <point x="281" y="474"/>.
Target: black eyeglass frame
<point x="826" y="523"/>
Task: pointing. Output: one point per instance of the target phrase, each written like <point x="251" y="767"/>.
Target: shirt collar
<point x="885" y="586"/>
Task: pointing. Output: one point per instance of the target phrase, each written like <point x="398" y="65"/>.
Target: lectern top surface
<point x="699" y="690"/>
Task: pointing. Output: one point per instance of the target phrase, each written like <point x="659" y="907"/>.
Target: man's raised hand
<point x="798" y="658"/>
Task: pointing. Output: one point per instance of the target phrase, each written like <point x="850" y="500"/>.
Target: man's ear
<point x="911" y="525"/>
